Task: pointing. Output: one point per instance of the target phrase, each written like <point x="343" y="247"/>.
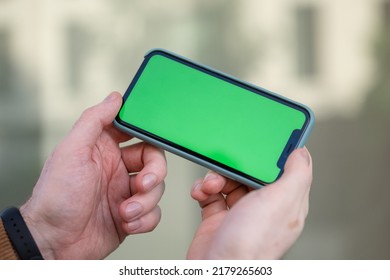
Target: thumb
<point x="297" y="175"/>
<point x="92" y="121"/>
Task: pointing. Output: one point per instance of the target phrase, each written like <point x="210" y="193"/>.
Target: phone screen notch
<point x="290" y="146"/>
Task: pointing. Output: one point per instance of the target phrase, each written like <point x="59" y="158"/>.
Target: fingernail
<point x="134" y="225"/>
<point x="149" y="181"/>
<point x="197" y="186"/>
<point x="133" y="209"/>
<point x="305" y="154"/>
<point x="110" y="97"/>
<point x="210" y="176"/>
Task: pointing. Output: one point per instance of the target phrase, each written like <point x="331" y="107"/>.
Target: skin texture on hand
<point x="241" y="223"/>
<point x="91" y="193"/>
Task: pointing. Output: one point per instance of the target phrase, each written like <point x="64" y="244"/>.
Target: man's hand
<point x="91" y="193"/>
<point x="240" y="223"/>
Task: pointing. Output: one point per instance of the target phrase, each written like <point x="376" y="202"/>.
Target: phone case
<point x="200" y="161"/>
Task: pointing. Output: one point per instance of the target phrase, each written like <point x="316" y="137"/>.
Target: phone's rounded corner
<point x="155" y="51"/>
<point x="116" y="122"/>
<point x="312" y="118"/>
<point x="308" y="112"/>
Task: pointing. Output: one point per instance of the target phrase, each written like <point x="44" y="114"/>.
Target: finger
<point x="145" y="223"/>
<point x="135" y="156"/>
<point x="133" y="189"/>
<point x="94" y="119"/>
<point x="215" y="183"/>
<point x="196" y="191"/>
<point x="305" y="205"/>
<point x="294" y="185"/>
<point x="236" y="194"/>
<point x="208" y="193"/>
<point x="298" y="172"/>
<point x="140" y="204"/>
<point x="148" y="161"/>
<point x="212" y="183"/>
<point x="213" y="205"/>
<point x="118" y="135"/>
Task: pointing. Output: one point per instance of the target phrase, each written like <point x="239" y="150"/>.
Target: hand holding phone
<point x="257" y="224"/>
<point x="239" y="130"/>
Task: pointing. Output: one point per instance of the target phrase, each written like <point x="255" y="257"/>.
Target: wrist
<point x="36" y="231"/>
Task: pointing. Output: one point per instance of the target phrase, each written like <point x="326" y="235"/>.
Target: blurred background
<point x="59" y="57"/>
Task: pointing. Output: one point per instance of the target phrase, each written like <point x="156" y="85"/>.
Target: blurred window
<point x="306" y="28"/>
<point x="5" y="64"/>
<point x="77" y="50"/>
<point x="19" y="124"/>
<point x="386" y="15"/>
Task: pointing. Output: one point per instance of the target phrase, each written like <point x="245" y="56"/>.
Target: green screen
<point x="204" y="113"/>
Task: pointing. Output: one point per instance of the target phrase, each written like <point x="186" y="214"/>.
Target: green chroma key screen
<point x="231" y="124"/>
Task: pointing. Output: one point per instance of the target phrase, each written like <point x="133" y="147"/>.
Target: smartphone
<point x="239" y="130"/>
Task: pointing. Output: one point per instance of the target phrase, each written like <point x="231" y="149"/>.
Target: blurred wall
<point x="59" y="57"/>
